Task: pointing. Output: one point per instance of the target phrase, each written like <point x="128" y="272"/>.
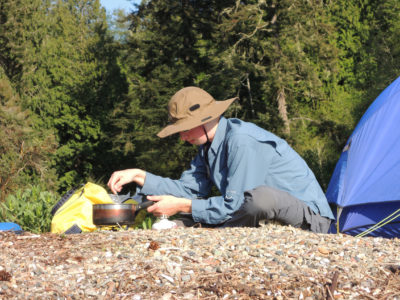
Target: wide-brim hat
<point x="191" y="107"/>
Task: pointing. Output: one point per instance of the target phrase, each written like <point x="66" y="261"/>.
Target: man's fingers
<point x="117" y="181"/>
<point x="151" y="208"/>
<point x="112" y="182"/>
<point x="111" y="185"/>
<point x="155" y="198"/>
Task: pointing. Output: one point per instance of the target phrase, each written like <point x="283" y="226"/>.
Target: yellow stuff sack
<point x="73" y="213"/>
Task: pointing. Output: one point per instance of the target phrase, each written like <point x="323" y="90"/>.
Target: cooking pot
<point x="117" y="214"/>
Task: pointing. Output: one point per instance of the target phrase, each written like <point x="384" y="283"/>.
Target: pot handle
<point x="143" y="205"/>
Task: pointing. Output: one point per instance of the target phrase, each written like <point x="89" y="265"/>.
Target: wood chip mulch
<point x="270" y="262"/>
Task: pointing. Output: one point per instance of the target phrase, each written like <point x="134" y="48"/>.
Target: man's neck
<point x="211" y="128"/>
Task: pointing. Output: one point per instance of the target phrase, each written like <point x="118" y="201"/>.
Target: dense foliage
<point x="30" y="208"/>
<point x="82" y="95"/>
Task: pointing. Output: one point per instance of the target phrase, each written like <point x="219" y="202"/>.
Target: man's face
<point x="195" y="136"/>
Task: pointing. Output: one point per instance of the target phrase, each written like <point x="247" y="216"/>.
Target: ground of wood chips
<point x="270" y="262"/>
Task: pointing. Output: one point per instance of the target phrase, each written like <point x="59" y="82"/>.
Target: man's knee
<point x="261" y="199"/>
<point x="268" y="203"/>
<point x="272" y="204"/>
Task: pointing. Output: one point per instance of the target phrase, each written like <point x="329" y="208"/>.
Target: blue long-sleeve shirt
<point x="242" y="156"/>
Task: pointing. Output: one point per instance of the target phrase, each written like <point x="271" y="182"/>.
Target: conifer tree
<point x="73" y="86"/>
<point x="25" y="152"/>
<point x="22" y="29"/>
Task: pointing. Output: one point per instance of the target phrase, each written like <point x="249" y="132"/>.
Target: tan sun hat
<point x="191" y="107"/>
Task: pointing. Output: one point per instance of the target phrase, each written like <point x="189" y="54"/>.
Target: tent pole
<point x="338" y="213"/>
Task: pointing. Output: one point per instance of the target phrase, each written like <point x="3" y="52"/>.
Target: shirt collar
<point x="219" y="134"/>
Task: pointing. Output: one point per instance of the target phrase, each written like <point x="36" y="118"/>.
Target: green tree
<point x="24" y="151"/>
<point x="22" y="29"/>
<point x="75" y="82"/>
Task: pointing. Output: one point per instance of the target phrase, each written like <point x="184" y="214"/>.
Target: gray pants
<point x="266" y="203"/>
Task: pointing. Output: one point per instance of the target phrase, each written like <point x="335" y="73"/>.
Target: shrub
<point x="29" y="208"/>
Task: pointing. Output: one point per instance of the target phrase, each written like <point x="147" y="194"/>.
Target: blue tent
<point x="365" y="186"/>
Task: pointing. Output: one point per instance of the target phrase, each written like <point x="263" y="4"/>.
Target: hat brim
<point x="213" y="112"/>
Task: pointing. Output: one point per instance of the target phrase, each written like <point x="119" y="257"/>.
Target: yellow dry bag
<point x="73" y="213"/>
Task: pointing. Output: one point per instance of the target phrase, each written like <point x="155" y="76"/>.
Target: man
<point x="258" y="174"/>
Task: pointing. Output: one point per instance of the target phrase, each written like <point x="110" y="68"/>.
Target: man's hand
<point x="169" y="205"/>
<point x="119" y="178"/>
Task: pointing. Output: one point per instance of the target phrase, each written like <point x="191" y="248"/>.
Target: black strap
<point x="73" y="230"/>
<point x="206" y="147"/>
<point x="64" y="199"/>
